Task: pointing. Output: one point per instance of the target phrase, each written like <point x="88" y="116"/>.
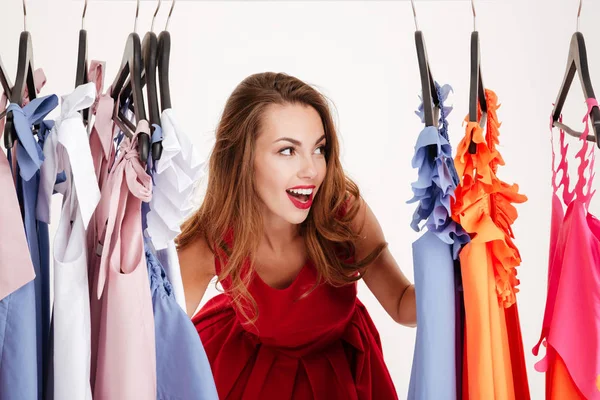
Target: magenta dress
<point x="571" y="327"/>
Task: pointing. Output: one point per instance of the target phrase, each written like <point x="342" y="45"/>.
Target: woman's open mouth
<point x="301" y="198"/>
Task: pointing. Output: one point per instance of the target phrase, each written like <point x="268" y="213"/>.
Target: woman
<point x="288" y="236"/>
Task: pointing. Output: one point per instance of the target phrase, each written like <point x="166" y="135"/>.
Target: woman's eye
<point x="287" y="149"/>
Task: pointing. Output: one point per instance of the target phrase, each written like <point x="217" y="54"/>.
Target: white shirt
<point x="67" y="149"/>
<point x="177" y="171"/>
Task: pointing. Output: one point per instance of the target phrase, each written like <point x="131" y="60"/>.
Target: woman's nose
<point x="308" y="169"/>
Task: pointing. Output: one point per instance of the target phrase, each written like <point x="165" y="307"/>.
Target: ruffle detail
<point x="156" y="273"/>
<point x="445" y="110"/>
<point x="483" y="204"/>
<point x="437" y="180"/>
<point x="175" y="177"/>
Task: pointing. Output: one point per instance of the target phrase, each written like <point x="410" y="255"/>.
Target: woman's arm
<point x="383" y="276"/>
<point x="197" y="265"/>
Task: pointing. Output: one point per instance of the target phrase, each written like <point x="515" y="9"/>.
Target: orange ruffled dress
<point x="493" y="361"/>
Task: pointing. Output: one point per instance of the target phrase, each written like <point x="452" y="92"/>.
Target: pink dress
<point x="123" y="344"/>
<point x="13" y="244"/>
<point x="103" y="154"/>
<point x="571" y="326"/>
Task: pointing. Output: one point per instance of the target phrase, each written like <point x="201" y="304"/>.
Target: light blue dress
<point x="25" y="313"/>
<point x="434" y="374"/>
<point x="182" y="367"/>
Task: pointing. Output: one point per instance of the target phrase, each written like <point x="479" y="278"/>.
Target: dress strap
<point x="586" y="155"/>
<point x="128" y="179"/>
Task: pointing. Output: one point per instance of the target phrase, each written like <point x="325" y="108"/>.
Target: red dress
<point x="323" y="346"/>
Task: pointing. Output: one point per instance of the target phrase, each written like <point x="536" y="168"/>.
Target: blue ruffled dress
<point x="436" y="362"/>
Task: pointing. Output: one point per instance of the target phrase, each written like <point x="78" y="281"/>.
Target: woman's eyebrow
<point x="297" y="142"/>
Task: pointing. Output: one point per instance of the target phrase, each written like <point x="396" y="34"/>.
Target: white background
<point x="361" y="54"/>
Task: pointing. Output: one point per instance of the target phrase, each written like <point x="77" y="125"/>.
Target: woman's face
<point x="289" y="162"/>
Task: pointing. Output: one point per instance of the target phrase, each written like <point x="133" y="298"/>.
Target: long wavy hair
<point x="232" y="203"/>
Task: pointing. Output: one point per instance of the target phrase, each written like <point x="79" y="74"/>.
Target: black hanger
<point x="164" y="51"/>
<point x="150" y="54"/>
<point x="131" y="66"/>
<point x="476" y="89"/>
<point x="163" y="59"/>
<point x="431" y="101"/>
<point x="6" y="86"/>
<point x="81" y="74"/>
<point x="24" y="79"/>
<point x="577" y="62"/>
<point x="5" y="81"/>
<point x="148" y="80"/>
<point x="82" y="62"/>
<point x="164" y="54"/>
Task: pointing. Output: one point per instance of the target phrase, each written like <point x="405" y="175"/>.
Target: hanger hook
<point x="83" y="14"/>
<point x="169" y="17"/>
<point x="137" y="12"/>
<point x="24" y="16"/>
<point x="412" y="3"/>
<point x="154" y="17"/>
<point x="474" y="15"/>
<point x="579" y="13"/>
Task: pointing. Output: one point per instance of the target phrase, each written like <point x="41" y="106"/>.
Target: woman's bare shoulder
<point x="197" y="257"/>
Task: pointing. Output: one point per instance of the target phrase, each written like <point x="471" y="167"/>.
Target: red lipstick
<point x="303" y="187"/>
<point x="297" y="202"/>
